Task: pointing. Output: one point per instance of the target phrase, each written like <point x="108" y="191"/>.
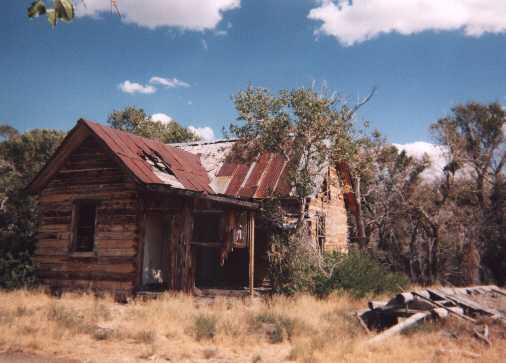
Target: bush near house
<point x="358" y="274"/>
<point x="295" y="267"/>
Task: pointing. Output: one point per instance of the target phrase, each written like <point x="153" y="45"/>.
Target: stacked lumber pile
<point x="411" y="308"/>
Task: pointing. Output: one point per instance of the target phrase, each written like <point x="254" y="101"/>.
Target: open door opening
<point x="233" y="275"/>
<point x="155" y="266"/>
<point x="209" y="235"/>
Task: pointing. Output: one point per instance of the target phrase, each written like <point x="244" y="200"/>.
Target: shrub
<point x="204" y="326"/>
<point x="209" y="353"/>
<point x="70" y="319"/>
<point x="276" y="326"/>
<point x="101" y="312"/>
<point x="67" y="318"/>
<point x="103" y="334"/>
<point x="16" y="271"/>
<point x="145" y="336"/>
<point x="292" y="262"/>
<point x="357" y="273"/>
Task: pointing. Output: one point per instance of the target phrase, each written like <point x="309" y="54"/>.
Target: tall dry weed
<point x="180" y="328"/>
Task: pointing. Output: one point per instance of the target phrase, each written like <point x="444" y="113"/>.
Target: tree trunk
<point x="360" y="221"/>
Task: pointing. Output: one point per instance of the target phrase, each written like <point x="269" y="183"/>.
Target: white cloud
<point x="168" y="82"/>
<point x="186" y="14"/>
<point x="436" y="153"/>
<point x="162" y="118"/>
<point x="205" y="133"/>
<point x="360" y="20"/>
<point x="134" y="87"/>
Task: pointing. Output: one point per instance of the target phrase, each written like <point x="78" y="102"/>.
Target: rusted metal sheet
<point x="271" y="176"/>
<point x="133" y="151"/>
<point x="238" y="177"/>
<point x="256" y="180"/>
<point x="254" y="177"/>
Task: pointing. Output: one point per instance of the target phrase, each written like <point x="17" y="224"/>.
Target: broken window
<point x="320" y="231"/>
<point x="84" y="226"/>
<point x="325" y="191"/>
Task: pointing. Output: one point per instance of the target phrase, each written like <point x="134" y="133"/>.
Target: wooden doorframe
<point x="251" y="247"/>
<point x="143" y="220"/>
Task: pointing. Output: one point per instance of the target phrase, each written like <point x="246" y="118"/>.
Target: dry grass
<point x="179" y="328"/>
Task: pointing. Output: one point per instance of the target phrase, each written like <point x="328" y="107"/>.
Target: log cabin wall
<point x="89" y="173"/>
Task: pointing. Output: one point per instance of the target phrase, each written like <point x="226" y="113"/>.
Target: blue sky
<point x="423" y="59"/>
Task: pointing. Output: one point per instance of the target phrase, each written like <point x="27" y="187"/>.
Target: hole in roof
<point x="156" y="161"/>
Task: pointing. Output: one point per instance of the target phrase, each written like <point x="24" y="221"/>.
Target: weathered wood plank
<point x="114" y="193"/>
<point x="87" y="284"/>
<point x="72" y="266"/>
<point x="91" y="276"/>
<point x="115" y="243"/>
<point x="116" y="220"/>
<point x="127" y="252"/>
<point x="53" y="235"/>
<point x="51" y="251"/>
<point x="124" y="235"/>
<point x="54" y="228"/>
<point x="396" y="329"/>
<point x="53" y="243"/>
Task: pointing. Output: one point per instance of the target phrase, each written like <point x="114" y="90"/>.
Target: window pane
<point x="85" y="233"/>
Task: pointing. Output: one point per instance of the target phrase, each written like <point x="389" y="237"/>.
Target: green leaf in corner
<point x="51" y="17"/>
<point x="64" y="9"/>
<point x="37" y="8"/>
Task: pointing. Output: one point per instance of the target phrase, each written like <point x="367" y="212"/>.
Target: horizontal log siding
<point x="89" y="173"/>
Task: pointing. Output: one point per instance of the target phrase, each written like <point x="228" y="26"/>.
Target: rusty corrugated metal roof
<point x="136" y="153"/>
<point x="260" y="179"/>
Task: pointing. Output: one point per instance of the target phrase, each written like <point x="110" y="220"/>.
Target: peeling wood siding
<point x="336" y="220"/>
<point x="89" y="173"/>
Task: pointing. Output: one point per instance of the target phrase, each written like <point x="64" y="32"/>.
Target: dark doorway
<point x="208" y="241"/>
<point x="155" y="272"/>
<point x="210" y="274"/>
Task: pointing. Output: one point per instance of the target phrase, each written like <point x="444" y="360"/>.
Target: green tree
<point x="136" y="121"/>
<point x="311" y="131"/>
<point x="22" y="155"/>
<point x="446" y="227"/>
<point x="474" y="136"/>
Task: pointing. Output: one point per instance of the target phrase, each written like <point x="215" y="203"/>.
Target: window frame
<point x="75" y="226"/>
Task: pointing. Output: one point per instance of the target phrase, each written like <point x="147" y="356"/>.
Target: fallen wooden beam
<point x="396" y="329"/>
<point x="464" y="301"/>
<point x="376" y="304"/>
<point x="483" y="336"/>
<point x="435" y="303"/>
<point x="498" y="291"/>
<point x="362" y="323"/>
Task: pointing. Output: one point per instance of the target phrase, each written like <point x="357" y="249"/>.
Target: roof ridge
<point x="198" y="143"/>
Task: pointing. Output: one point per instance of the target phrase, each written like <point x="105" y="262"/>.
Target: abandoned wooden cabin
<point x="119" y="212"/>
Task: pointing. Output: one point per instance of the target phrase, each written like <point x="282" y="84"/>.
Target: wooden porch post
<point x="251" y="225"/>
